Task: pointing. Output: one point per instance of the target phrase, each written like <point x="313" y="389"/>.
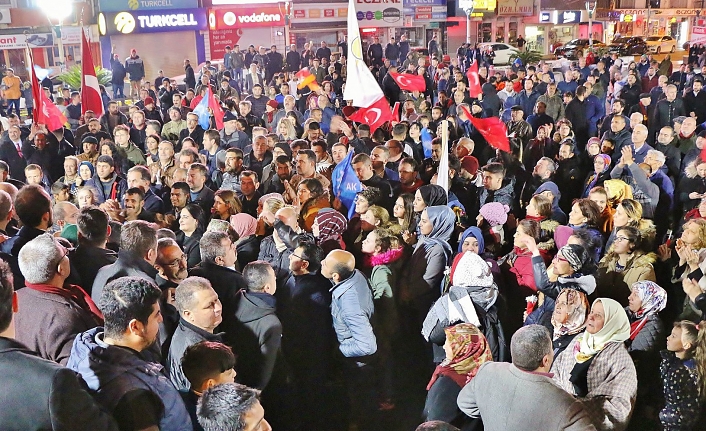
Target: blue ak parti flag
<point x="346" y="184"/>
<point x="202" y="111"/>
<point x="426" y="141"/>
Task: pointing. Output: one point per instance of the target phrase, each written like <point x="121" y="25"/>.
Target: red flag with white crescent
<point x="493" y="130"/>
<point x="90" y="91"/>
<point x="37" y="113"/>
<point x="374" y="115"/>
<point x="473" y="80"/>
<point x="409" y="82"/>
<point x="54" y="119"/>
<point x="396" y="112"/>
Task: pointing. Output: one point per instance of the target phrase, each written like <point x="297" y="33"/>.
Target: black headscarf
<point x="433" y="195"/>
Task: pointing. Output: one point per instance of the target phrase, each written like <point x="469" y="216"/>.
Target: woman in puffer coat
<point x="625" y="264"/>
<point x="647" y="336"/>
<point x="471" y="298"/>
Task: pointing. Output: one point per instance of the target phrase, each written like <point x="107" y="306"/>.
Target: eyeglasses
<point x="175" y="263"/>
<point x="560" y="258"/>
<point x="298" y="257"/>
<point x="621" y="238"/>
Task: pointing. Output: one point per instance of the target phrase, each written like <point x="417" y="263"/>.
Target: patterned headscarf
<point x="575" y="255"/>
<point x="576" y="308"/>
<point x="653" y="298"/>
<point x="470" y="350"/>
<point x="244" y="224"/>
<point x="265" y="198"/>
<point x="331" y="223"/>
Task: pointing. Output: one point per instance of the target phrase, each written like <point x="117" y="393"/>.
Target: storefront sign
<point x="545" y="17"/>
<point x="315" y="12"/>
<point x="122" y="5"/>
<point x="614" y="15"/>
<point x="262" y="16"/>
<point x="568" y="17"/>
<point x="425" y="2"/>
<point x="219" y="39"/>
<point x="151" y="21"/>
<point x="515" y="7"/>
<point x="375" y="13"/>
<point x="69" y="36"/>
<point x="674" y="12"/>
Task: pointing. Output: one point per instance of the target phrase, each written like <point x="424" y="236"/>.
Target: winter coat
<point x="352" y="309"/>
<point x="555" y="105"/>
<point x="135" y="68"/>
<point x="111" y="372"/>
<point x="186" y="335"/>
<point x="191" y="248"/>
<point x="279" y="260"/>
<point x="386" y="270"/>
<point x="643" y="190"/>
<point x="527" y="101"/>
<point x="491" y="102"/>
<point x="569" y="177"/>
<point x="618" y="285"/>
<point x="622" y="139"/>
<point x="227" y="283"/>
<point x="665" y="113"/>
<point x="612" y="384"/>
<point x="42" y="395"/>
<point x="257" y="339"/>
<point x="505" y="194"/>
<point x="47" y="323"/>
<point x="126" y="266"/>
<point x="680" y="381"/>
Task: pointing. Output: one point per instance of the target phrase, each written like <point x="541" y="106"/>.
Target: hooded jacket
<point x="112" y="372"/>
<point x="491" y="102"/>
<point x="618" y="285"/>
<point x="352" y="310"/>
<point x="557" y="213"/>
<point x="257" y="339"/>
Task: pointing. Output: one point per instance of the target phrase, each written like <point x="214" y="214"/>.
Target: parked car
<point x="576" y="47"/>
<point x="628" y="46"/>
<point x="502" y="51"/>
<point x="659" y="44"/>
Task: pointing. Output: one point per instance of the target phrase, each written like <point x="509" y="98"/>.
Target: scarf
<point x="653" y="298"/>
<point x="469" y="349"/>
<point x="575" y="255"/>
<point x="331" y="223"/>
<point x="433" y="195"/>
<point x="459" y="305"/>
<point x="476" y="232"/>
<point x="575" y="304"/>
<point x="74" y="293"/>
<point x="443" y="220"/>
<point x="244" y="224"/>
<point x="616" y="329"/>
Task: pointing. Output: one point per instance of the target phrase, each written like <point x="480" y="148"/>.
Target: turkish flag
<point x="90" y="91"/>
<point x="409" y="82"/>
<point x="53" y="118"/>
<point x="473" y="80"/>
<point x="492" y="129"/>
<point x="374" y="115"/>
<point x="215" y="109"/>
<point x="37" y="114"/>
<point x="396" y="112"/>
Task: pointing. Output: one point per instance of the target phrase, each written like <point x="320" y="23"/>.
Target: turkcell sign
<point x="136" y="22"/>
<point x="142" y="5"/>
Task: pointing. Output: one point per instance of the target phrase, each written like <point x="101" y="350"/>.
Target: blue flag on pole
<point x="426" y="142"/>
<point x="202" y="111"/>
<point x="346" y="184"/>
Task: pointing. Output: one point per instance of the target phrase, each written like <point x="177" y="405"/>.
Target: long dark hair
<point x="409" y="220"/>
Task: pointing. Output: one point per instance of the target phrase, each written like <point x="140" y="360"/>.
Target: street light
<point x="590" y="9"/>
<point x="57" y="10"/>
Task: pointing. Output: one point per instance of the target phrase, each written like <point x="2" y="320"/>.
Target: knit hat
<point x="273" y="104"/>
<point x="70" y="232"/>
<point x="645" y="96"/>
<point x="229" y="116"/>
<point x="561" y="235"/>
<point x="469" y="270"/>
<point x="495" y="213"/>
<point x="593" y="140"/>
<point x="575" y="255"/>
<point x="149" y="101"/>
<point x="90" y="139"/>
<point x="284" y="147"/>
<point x="470" y="164"/>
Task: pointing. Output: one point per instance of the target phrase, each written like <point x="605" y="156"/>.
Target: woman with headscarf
<point x="600" y="173"/>
<point x="597" y="369"/>
<point x="248" y="246"/>
<point x="469" y="298"/>
<point x="551" y="190"/>
<point x="472" y="240"/>
<point x="328" y="229"/>
<point x="419" y="285"/>
<point x="647" y="337"/>
<point x="429" y="195"/>
<point x="466" y="349"/>
<point x="569" y="317"/>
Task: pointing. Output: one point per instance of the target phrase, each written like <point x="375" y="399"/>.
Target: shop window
<point x="655" y="4"/>
<point x="512" y="32"/>
<point x="626" y="4"/>
<point x="500" y="33"/>
<point x="486" y="34"/>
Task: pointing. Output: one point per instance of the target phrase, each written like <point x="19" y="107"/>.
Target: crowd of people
<point x="157" y="274"/>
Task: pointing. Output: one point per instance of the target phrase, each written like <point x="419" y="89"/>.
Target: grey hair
<point x="529" y="345"/>
<point x="184" y="294"/>
<point x="551" y="164"/>
<point x="223" y="407"/>
<point x="210" y="245"/>
<point x="256" y="275"/>
<point x="59" y="210"/>
<point x="658" y="155"/>
<point x="38" y="259"/>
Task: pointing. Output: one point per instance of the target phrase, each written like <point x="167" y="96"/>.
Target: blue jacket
<point x="111" y="372"/>
<point x="527" y="101"/>
<point x="352" y="308"/>
<point x="594" y="112"/>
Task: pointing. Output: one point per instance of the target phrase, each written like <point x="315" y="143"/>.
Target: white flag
<point x="361" y="86"/>
<point x="442" y="177"/>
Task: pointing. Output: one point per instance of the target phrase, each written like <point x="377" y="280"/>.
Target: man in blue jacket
<point x="351" y="309"/>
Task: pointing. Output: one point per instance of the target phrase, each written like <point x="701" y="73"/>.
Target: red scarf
<point x="73" y="292"/>
<point x="636" y="326"/>
<point x="535" y="218"/>
<point x="445" y="370"/>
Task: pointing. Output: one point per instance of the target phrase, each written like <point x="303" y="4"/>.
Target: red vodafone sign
<point x="243" y="17"/>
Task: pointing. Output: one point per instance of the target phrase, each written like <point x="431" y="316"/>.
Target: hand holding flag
<point x="345" y="183"/>
<point x="409" y="82"/>
<point x="493" y="130"/>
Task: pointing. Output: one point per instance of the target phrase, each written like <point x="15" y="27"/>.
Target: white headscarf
<point x="616" y="329"/>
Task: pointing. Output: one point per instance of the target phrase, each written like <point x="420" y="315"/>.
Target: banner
<point x="151" y="21"/>
<point x="346" y="184"/>
<point x="515" y="7"/>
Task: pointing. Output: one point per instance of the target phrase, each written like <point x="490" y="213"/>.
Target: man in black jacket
<point x="54" y="398"/>
<point x="91" y="254"/>
<point x="294" y="59"/>
<point x="375" y="53"/>
<point x="190" y="77"/>
<point x="218" y="258"/>
<point x="667" y="110"/>
<point x="11" y="153"/>
<point x="200" y="313"/>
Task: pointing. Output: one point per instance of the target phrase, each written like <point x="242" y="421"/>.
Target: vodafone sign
<point x="243" y="17"/>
